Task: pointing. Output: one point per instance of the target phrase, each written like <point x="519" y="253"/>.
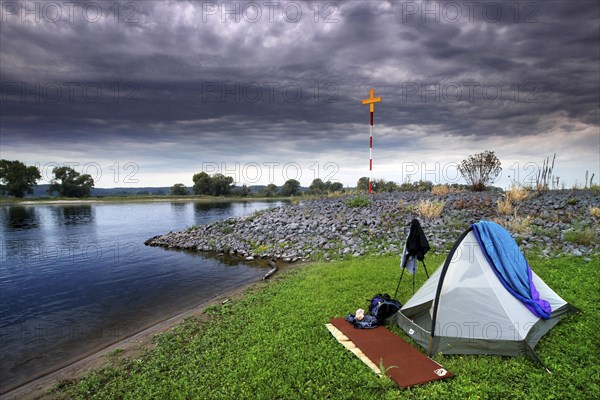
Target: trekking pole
<point x="424" y="267"/>
<point x="398" y="286"/>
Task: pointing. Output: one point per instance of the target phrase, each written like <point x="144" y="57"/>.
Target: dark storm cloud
<point x="174" y="72"/>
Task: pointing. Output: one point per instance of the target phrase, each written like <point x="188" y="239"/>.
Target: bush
<point x="595" y="211"/>
<point x="480" y="169"/>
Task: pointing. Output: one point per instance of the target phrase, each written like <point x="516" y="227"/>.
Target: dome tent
<point x="484" y="299"/>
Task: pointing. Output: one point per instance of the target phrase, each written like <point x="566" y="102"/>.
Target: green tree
<point x="202" y="183"/>
<point x="291" y="187"/>
<point x="179" y="189"/>
<point x="317" y="187"/>
<point x="70" y="183"/>
<point x="335" y="186"/>
<point x="243" y="191"/>
<point x="17" y="179"/>
<point x="221" y="185"/>
<point x="363" y="184"/>
<point x="422" y="186"/>
<point x="480" y="169"/>
<point x="270" y="190"/>
<point x="381" y="185"/>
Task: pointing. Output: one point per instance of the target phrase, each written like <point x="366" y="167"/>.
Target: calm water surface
<point x="75" y="278"/>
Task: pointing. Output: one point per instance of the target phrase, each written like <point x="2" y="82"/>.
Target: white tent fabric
<point x="475" y="313"/>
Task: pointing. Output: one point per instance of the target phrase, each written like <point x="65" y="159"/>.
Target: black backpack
<point x="382" y="306"/>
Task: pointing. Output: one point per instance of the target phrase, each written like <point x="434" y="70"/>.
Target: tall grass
<point x="505" y="206"/>
<point x="440" y="190"/>
<point x="430" y="209"/>
<point x="517" y="194"/>
<point x="584" y="236"/>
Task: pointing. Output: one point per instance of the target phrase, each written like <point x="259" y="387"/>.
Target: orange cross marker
<point x="372" y="100"/>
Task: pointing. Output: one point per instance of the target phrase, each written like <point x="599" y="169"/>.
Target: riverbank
<point x="137" y="199"/>
<point x="271" y="343"/>
<point x="128" y="348"/>
<point x="551" y="223"/>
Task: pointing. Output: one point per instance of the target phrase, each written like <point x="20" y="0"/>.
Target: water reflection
<point x="178" y="206"/>
<point x="203" y="207"/>
<point x="72" y="215"/>
<point x="19" y="217"/>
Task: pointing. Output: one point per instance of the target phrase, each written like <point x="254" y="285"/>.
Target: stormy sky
<point x="147" y="93"/>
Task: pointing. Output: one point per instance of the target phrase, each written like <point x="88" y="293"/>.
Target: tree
<point x="317" y="187"/>
<point x="221" y="185"/>
<point x="16" y="178"/>
<point x="270" y="190"/>
<point x="217" y="185"/>
<point x="243" y="191"/>
<point x="179" y="189"/>
<point x="72" y="183"/>
<point x="336" y="187"/>
<point x="480" y="169"/>
<point x="290" y="187"/>
<point x="202" y="183"/>
<point x="363" y="184"/>
<point x="381" y="185"/>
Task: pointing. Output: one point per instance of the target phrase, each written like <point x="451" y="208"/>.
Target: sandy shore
<point x="127" y="348"/>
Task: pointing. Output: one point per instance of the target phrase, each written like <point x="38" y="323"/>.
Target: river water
<point x="75" y="278"/>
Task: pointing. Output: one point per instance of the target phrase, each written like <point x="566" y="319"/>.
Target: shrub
<point x="480" y="169"/>
<point x="430" y="209"/>
<point x="595" y="211"/>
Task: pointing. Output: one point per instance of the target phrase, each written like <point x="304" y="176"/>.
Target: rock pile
<point x="549" y="223"/>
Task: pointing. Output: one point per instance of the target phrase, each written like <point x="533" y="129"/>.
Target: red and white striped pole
<point x="371" y="102"/>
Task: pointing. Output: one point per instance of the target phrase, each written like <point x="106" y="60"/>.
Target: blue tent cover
<point x="510" y="266"/>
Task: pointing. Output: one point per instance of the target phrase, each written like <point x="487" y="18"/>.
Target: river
<point x="75" y="278"/>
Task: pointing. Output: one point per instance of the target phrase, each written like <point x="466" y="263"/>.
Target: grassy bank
<point x="271" y="343"/>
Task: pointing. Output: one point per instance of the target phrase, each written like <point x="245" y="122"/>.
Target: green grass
<point x="272" y="344"/>
<point x="358" y="201"/>
<point x="585" y="236"/>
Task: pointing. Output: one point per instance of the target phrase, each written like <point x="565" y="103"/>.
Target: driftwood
<point x="271" y="271"/>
